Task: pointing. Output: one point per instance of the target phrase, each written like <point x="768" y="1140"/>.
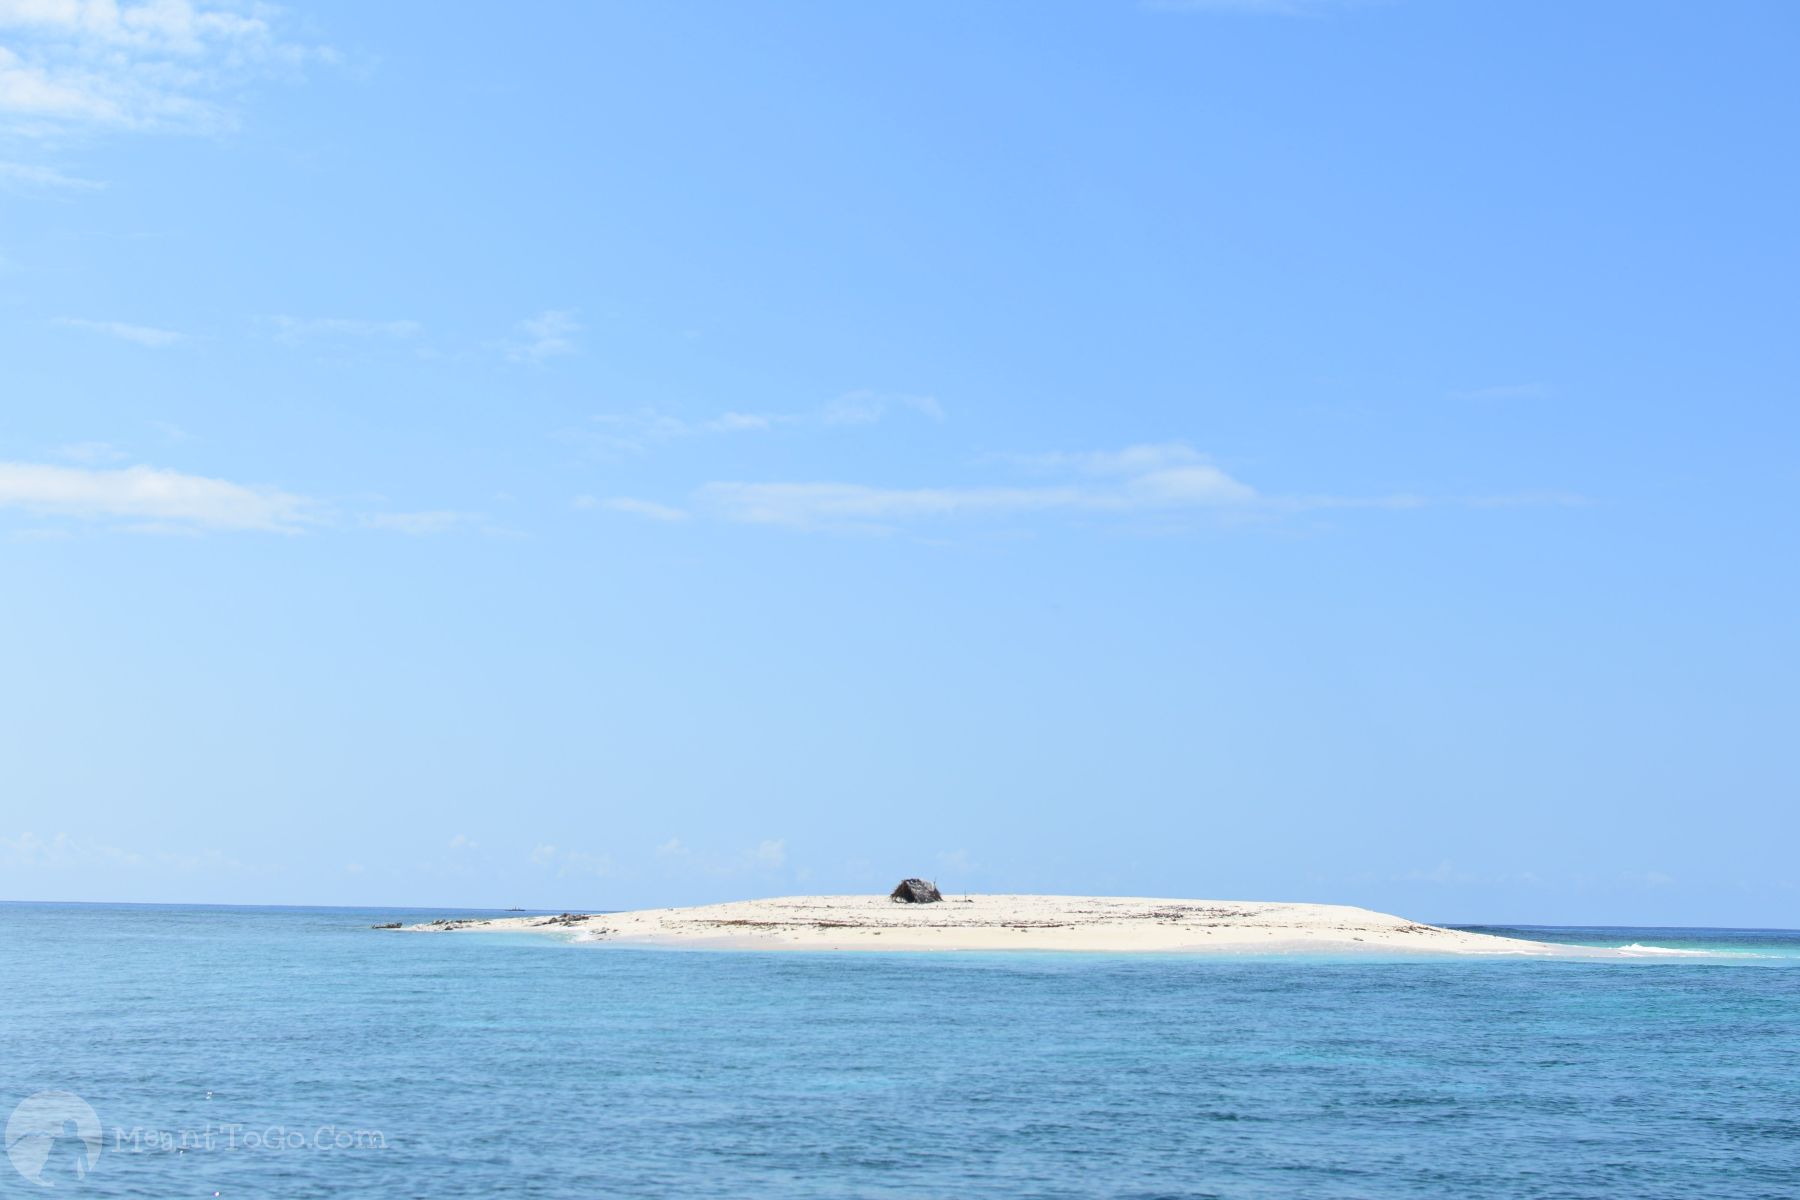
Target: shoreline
<point x="1083" y="924"/>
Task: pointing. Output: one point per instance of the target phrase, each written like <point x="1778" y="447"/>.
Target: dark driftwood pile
<point x="916" y="891"/>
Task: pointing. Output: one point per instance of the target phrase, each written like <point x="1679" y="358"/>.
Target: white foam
<point x="1639" y="948"/>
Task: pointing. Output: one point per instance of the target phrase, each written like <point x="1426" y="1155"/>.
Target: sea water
<point x="264" y="1052"/>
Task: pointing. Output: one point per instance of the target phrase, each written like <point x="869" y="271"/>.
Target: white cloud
<point x="158" y="64"/>
<point x="671" y="849"/>
<point x="29" y="175"/>
<point x="864" y="407"/>
<point x="463" y="841"/>
<point x="177" y="26"/>
<point x="635" y="432"/>
<point x="770" y="854"/>
<point x="142" y="335"/>
<point x="736" y="422"/>
<point x="297" y="329"/>
<point x="148" y="495"/>
<point x="548" y="335"/>
<point x="1156" y="478"/>
<point x="1137" y="479"/>
<point x="825" y="504"/>
<point x="648" y="509"/>
<point x="32" y="92"/>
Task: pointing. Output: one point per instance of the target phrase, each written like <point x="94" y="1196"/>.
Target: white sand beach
<point x="1106" y="924"/>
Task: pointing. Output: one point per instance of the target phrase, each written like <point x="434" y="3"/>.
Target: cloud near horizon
<point x="60" y="851"/>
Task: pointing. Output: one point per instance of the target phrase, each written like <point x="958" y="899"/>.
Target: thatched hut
<point x="915" y="891"/>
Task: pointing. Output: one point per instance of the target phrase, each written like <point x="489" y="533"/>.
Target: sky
<point x="643" y="453"/>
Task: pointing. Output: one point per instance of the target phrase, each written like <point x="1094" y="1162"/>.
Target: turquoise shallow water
<point x="326" y="1059"/>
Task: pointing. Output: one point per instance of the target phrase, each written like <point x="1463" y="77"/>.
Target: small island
<point x="1097" y="924"/>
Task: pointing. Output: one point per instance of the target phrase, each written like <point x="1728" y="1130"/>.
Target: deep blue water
<point x="490" y="1064"/>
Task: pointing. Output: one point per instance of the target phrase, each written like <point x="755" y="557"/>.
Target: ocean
<point x="161" y="1051"/>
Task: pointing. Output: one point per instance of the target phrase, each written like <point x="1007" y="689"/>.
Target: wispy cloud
<point x="813" y="505"/>
<point x="39" y="98"/>
<point x="142" y="335"/>
<point x="647" y="509"/>
<point x="158" y="64"/>
<point x="29" y="851"/>
<point x="14" y="174"/>
<point x="1137" y="479"/>
<point x="297" y="329"/>
<point x="864" y="407"/>
<point x="637" y="431"/>
<point x="60" y="851"/>
<point x="1144" y="459"/>
<point x="149" y="497"/>
<point x="548" y="335"/>
<point x="1166" y="479"/>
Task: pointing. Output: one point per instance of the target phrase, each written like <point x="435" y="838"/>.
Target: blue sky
<point x="642" y="453"/>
